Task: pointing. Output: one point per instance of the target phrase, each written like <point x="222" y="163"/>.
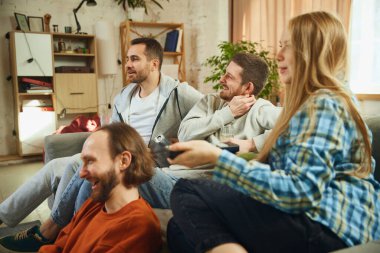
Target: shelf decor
<point x="36" y="24"/>
<point x="22" y="22"/>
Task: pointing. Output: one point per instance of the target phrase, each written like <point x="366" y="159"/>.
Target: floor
<point x="12" y="175"/>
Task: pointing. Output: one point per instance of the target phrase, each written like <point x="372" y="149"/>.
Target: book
<point x="39" y="88"/>
<point x="179" y="41"/>
<point x="36" y="82"/>
<point x="171" y="41"/>
<point x="31" y="88"/>
<point x="39" y="91"/>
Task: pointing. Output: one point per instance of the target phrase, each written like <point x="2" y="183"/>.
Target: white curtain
<point x="264" y="20"/>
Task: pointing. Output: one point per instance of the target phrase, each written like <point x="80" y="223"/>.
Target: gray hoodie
<point x="175" y="101"/>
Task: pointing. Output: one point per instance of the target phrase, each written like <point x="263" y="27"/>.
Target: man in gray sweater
<point x="234" y="114"/>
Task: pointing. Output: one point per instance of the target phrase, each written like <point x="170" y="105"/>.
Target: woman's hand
<point x="195" y="153"/>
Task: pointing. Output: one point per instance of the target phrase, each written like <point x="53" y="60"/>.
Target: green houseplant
<point x="137" y="3"/>
<point x="219" y="64"/>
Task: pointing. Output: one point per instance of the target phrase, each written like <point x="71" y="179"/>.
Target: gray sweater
<point x="173" y="107"/>
<point x="212" y="113"/>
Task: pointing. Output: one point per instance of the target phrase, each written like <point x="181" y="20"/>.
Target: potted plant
<point x="219" y="64"/>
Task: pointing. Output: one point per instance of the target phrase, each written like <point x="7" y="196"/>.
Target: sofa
<point x="62" y="145"/>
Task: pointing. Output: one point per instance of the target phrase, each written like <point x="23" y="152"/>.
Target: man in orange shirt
<point x="115" y="218"/>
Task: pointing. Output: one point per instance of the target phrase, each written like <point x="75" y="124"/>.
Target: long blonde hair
<point x="319" y="44"/>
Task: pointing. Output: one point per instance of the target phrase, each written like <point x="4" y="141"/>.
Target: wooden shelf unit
<point x="34" y="55"/>
<point x="132" y="29"/>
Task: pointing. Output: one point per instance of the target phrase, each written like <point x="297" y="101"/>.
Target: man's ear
<point x="125" y="160"/>
<point x="250" y="88"/>
<point x="155" y="64"/>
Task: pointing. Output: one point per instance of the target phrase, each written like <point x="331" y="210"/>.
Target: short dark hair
<point x="255" y="70"/>
<point x="153" y="48"/>
<point x="122" y="137"/>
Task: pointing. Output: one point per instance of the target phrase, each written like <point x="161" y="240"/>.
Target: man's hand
<point x="195" y="153"/>
<point x="240" y="105"/>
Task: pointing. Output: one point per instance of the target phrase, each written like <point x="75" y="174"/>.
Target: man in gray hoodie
<point x="153" y="104"/>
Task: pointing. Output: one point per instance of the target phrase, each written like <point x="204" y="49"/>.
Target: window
<point x="364" y="75"/>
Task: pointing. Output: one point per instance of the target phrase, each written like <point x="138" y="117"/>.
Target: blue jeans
<point x="208" y="214"/>
<point x="64" y="205"/>
<point x="156" y="192"/>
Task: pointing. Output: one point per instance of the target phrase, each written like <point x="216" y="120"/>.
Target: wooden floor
<point x="16" y="159"/>
<point x="9" y="158"/>
<point x="13" y="175"/>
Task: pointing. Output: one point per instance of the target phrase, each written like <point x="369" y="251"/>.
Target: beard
<point x="106" y="184"/>
<point x="225" y="95"/>
<point x="139" y="76"/>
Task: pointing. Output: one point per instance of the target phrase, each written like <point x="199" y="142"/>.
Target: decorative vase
<point x="136" y="14"/>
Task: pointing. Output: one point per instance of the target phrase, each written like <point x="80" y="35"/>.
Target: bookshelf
<point x="31" y="59"/>
<point x="130" y="30"/>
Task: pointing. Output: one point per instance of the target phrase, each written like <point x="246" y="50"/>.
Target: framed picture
<point x="22" y="22"/>
<point x="36" y="24"/>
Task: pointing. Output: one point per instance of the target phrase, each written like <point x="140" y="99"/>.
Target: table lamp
<point x="89" y="3"/>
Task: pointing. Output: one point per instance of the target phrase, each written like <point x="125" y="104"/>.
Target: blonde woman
<point x="311" y="188"/>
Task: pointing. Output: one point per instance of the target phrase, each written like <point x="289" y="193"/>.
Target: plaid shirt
<point x="307" y="172"/>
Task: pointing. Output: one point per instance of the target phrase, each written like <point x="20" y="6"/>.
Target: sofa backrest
<point x="63" y="145"/>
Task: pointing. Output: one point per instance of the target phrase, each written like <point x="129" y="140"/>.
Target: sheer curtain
<point x="264" y="20"/>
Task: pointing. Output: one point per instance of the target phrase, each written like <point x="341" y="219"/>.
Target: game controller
<point x="161" y="145"/>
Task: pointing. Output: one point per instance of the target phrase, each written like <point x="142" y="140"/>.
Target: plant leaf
<point x="158" y="4"/>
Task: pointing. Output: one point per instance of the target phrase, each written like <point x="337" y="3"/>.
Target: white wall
<point x="206" y="24"/>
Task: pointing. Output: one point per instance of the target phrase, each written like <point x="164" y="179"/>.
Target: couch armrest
<point x="62" y="145"/>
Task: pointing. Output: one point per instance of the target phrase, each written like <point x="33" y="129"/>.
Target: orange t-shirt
<point x="134" y="228"/>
